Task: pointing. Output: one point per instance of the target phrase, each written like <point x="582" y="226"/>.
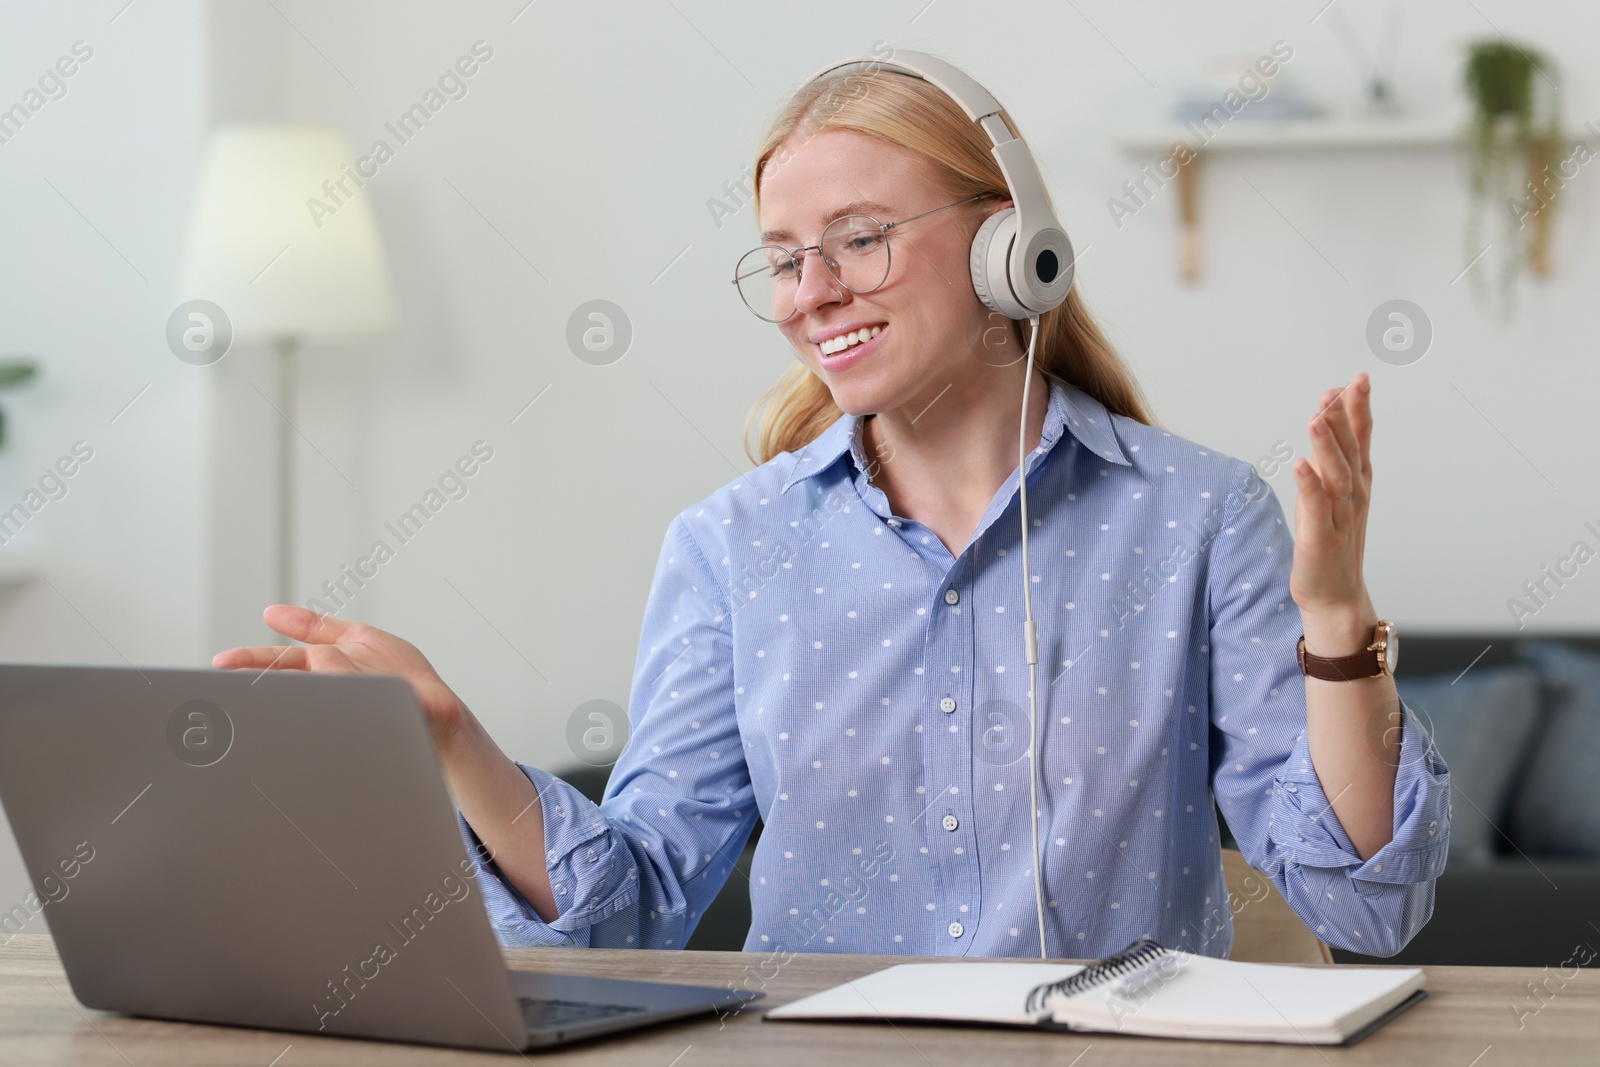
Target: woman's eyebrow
<point x="854" y="207"/>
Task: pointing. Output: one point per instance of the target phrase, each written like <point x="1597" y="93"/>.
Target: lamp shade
<point x="281" y="236"/>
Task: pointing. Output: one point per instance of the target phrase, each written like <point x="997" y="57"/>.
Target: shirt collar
<point x="1070" y="408"/>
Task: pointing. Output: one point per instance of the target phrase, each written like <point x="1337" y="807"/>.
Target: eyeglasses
<point x="854" y="250"/>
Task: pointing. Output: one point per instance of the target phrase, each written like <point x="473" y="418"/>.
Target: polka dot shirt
<point x="811" y="659"/>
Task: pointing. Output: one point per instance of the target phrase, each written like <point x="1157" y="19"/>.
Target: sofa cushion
<point x="1513" y="913"/>
<point x="1555" y="808"/>
<point x="1483" y="723"/>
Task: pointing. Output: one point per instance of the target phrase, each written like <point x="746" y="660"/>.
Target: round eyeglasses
<point x="854" y="250"/>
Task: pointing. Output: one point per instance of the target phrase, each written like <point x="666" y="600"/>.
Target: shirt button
<point x="950" y="822"/>
<point x="951" y="596"/>
<point x="956" y="929"/>
<point x="947" y="705"/>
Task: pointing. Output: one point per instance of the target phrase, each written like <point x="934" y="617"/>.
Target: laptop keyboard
<point x="539" y="1013"/>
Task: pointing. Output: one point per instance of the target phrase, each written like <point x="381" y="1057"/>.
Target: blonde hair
<point x="915" y="115"/>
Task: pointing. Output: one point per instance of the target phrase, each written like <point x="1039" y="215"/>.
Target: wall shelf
<point x="1249" y="136"/>
<point x="1390" y="133"/>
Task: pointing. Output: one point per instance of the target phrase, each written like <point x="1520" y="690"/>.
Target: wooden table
<point x="1467" y="1021"/>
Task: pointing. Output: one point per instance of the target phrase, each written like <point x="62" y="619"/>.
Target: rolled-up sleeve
<point x="1262" y="774"/>
<point x="639" y="869"/>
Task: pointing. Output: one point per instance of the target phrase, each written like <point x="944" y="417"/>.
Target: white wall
<point x="95" y="188"/>
<point x="578" y="167"/>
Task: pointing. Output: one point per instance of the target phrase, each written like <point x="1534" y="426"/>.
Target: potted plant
<point x="1512" y="144"/>
<point x="13" y="372"/>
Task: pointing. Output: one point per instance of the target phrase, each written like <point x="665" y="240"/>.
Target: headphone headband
<point x="1022" y="262"/>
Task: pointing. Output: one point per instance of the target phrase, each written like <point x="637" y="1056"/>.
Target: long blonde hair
<point x="915" y="115"/>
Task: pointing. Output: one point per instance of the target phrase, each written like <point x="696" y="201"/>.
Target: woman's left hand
<point x="1330" y="522"/>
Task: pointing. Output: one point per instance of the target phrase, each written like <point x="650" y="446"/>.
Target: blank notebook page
<point x="1245" y="1001"/>
<point x="962" y="992"/>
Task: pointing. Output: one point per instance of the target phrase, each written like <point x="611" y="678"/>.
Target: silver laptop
<point x="272" y="850"/>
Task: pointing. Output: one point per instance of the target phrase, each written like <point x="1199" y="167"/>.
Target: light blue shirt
<point x="811" y="658"/>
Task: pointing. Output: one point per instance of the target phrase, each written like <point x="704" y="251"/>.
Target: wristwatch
<point x="1380" y="657"/>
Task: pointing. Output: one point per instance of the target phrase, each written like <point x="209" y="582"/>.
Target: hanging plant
<point x="1511" y="149"/>
<point x="13" y="372"/>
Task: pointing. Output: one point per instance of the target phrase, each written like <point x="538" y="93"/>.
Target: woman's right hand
<point x="338" y="646"/>
<point x="489" y="789"/>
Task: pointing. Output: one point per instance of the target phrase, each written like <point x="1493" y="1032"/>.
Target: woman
<point x="833" y="641"/>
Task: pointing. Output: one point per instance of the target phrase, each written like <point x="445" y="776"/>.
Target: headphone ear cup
<point x="990" y="264"/>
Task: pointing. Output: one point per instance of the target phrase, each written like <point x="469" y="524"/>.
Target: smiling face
<point x="924" y="326"/>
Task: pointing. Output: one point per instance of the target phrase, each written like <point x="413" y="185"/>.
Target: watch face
<point x="1391" y="648"/>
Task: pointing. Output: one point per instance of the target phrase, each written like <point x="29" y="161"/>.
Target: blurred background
<point x="531" y="280"/>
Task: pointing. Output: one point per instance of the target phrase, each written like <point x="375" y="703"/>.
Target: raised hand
<point x="1330" y="520"/>
<point x="338" y="646"/>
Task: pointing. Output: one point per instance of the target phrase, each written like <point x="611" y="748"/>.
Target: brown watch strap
<point x="1363" y="664"/>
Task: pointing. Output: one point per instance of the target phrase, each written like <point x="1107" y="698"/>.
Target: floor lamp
<point x="282" y="239"/>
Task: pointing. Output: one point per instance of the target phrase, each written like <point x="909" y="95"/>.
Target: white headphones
<point x="1021" y="259"/>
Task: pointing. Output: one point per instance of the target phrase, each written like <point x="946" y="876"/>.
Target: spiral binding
<point x="1115" y="965"/>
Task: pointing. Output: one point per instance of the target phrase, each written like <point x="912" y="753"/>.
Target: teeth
<point x="844" y="341"/>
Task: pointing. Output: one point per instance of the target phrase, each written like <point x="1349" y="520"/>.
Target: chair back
<point x="1265" y="930"/>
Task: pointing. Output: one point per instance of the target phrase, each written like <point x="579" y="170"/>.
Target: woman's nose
<point x="818" y="288"/>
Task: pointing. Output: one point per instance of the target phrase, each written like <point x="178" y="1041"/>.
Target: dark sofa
<point x="1533" y="901"/>
<point x="1501" y="901"/>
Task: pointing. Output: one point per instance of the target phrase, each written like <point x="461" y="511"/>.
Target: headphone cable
<point x="1031" y="639"/>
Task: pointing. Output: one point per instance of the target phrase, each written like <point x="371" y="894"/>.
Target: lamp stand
<point x="286" y="347"/>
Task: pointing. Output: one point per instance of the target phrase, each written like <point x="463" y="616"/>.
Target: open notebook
<point x="1144" y="989"/>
